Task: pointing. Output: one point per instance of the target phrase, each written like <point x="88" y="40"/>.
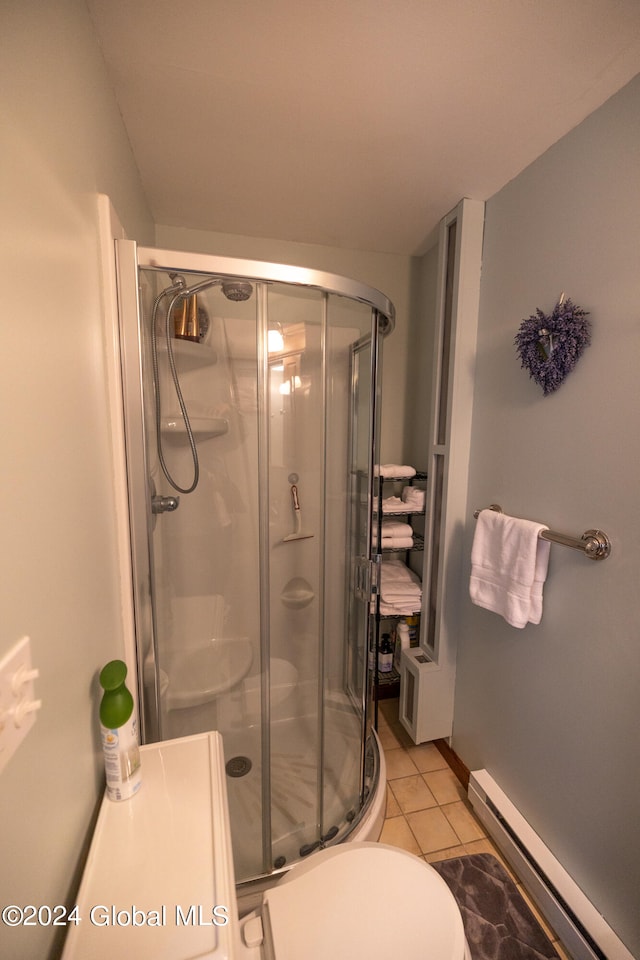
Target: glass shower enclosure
<point x="251" y="395"/>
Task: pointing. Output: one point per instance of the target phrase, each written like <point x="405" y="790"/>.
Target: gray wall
<point x="63" y="141"/>
<point x="552" y="711"/>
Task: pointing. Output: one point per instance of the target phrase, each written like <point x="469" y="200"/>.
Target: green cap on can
<point x="117" y="703"/>
<point x="113" y="675"/>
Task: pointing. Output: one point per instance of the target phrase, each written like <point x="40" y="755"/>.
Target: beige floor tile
<point x="399" y="764"/>
<point x="463" y="822"/>
<point x="383" y="723"/>
<point x="445" y="786"/>
<point x="396" y="833"/>
<point x="448" y="854"/>
<point x="393" y="807"/>
<point x="432" y="830"/>
<point x="389" y="709"/>
<point x="389" y="738"/>
<point x="483" y="846"/>
<point x="404" y="737"/>
<point x="427" y="757"/>
<point x="412" y="794"/>
<point x="445" y="826"/>
<point x="394" y="735"/>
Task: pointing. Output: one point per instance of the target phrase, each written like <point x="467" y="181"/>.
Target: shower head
<point x="233" y="289"/>
<point x="237" y="289"/>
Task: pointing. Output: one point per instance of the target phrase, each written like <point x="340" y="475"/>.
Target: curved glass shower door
<point x="241" y="449"/>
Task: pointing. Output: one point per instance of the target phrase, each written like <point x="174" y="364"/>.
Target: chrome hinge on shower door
<point x="366" y="578"/>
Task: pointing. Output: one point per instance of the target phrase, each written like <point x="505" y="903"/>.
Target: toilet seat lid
<point x="363" y="900"/>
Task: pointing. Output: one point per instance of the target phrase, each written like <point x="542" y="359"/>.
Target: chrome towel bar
<point x="594" y="543"/>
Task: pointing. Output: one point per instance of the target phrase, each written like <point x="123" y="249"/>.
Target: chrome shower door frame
<point x="130" y="258"/>
<point x="129" y="310"/>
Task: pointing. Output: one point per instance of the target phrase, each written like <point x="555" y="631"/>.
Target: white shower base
<point x="295" y="801"/>
<point x="294" y="790"/>
<point x="368" y="827"/>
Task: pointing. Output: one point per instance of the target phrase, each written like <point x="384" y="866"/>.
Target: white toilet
<point x="159" y="883"/>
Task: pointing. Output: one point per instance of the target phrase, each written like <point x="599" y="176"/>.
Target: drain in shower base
<point x="238" y="766"/>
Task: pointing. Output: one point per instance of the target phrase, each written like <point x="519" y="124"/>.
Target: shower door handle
<point x="164" y="504"/>
<point x="365" y="579"/>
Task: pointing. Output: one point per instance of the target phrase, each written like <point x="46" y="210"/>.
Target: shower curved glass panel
<point x="251" y="408"/>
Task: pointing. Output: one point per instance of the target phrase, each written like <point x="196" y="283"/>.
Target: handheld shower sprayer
<point x="236" y="290"/>
<point x="186" y="326"/>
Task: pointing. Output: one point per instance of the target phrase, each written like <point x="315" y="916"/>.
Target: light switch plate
<point x="17" y="704"/>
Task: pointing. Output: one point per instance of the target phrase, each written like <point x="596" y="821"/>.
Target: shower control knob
<point x="164" y="504"/>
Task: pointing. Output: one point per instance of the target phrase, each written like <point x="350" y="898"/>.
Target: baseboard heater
<point x="581" y="929"/>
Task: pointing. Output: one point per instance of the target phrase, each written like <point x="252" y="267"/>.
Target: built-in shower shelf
<point x="203" y="428"/>
<point x="190" y="355"/>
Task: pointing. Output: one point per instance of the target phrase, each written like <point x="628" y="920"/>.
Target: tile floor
<point x="427" y="808"/>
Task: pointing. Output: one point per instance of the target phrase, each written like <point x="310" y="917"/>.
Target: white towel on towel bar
<point x="509" y="565"/>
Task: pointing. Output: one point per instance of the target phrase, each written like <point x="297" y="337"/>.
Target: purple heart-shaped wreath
<point x="550" y="346"/>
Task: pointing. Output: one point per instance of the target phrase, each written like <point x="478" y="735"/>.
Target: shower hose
<point x="176" y="383"/>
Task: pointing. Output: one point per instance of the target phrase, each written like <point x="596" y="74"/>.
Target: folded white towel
<point x="397" y="543"/>
<point x="389" y="470"/>
<point x="399" y="609"/>
<point x="395" y="535"/>
<point x="400" y="586"/>
<point x="414" y="498"/>
<point x="413" y="600"/>
<point x="396" y="528"/>
<point x="396" y="570"/>
<point x="393" y="505"/>
<point x="508" y="567"/>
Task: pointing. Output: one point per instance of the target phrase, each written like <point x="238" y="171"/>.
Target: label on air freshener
<point x="121" y="760"/>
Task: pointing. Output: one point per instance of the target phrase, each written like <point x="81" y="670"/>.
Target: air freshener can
<point x="119" y="731"/>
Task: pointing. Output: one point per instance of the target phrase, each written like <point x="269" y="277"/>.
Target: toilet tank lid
<point x="363" y="900"/>
<point x="164" y="851"/>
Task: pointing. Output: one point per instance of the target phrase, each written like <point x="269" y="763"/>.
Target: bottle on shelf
<point x="414" y="630"/>
<point x="402" y="643"/>
<point x="385" y="655"/>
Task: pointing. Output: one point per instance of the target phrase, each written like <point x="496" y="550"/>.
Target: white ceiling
<point x="353" y="123"/>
